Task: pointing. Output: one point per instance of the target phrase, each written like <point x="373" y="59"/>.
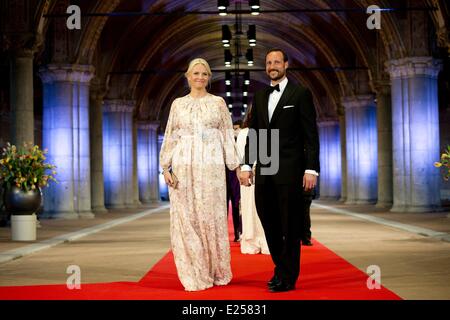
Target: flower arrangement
<point x="24" y="167"/>
<point x="445" y="163"/>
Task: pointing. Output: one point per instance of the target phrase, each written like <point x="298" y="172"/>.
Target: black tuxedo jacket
<point x="295" y="118"/>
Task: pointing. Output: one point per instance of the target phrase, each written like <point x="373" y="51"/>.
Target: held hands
<point x="246" y="178"/>
<point x="309" y="181"/>
<point x="168" y="178"/>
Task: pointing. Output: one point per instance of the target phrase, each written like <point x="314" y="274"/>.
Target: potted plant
<point x="23" y="173"/>
<point x="444" y="164"/>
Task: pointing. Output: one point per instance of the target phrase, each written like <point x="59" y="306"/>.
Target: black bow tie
<point x="272" y="89"/>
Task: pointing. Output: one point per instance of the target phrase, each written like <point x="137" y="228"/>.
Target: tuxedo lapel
<point x="287" y="93"/>
<point x="265" y="105"/>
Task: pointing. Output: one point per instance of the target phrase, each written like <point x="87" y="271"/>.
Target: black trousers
<point x="280" y="209"/>
<point x="308" y="196"/>
<point x="233" y="195"/>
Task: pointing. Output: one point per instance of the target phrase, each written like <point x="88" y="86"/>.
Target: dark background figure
<point x="234" y="195"/>
<point x="308" y="196"/>
<point x="234" y="191"/>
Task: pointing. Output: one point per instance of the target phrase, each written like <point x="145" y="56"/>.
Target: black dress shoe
<point x="307" y="242"/>
<point x="273" y="281"/>
<point x="282" y="287"/>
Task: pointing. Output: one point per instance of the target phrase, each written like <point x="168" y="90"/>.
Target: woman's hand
<point x="168" y="178"/>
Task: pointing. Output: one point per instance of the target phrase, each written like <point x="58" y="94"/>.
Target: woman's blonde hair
<point x="196" y="61"/>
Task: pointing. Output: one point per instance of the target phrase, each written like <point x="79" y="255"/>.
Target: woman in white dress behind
<point x="253" y="239"/>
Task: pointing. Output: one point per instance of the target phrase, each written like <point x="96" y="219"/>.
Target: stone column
<point x="20" y="39"/>
<point x="21" y="90"/>
<point x="148" y="162"/>
<point x="118" y="152"/>
<point x="154" y="162"/>
<point x="342" y="135"/>
<point x="330" y="160"/>
<point x="66" y="136"/>
<point x="361" y="140"/>
<point x="415" y="128"/>
<point x="384" y="124"/>
<point x="96" y="142"/>
<point x="134" y="199"/>
<point x="163" y="189"/>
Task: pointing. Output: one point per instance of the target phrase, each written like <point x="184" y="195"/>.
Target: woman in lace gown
<point x="197" y="145"/>
<point x="253" y="239"/>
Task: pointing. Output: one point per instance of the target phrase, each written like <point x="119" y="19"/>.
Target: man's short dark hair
<point x="285" y="56"/>
<point x="237" y="123"/>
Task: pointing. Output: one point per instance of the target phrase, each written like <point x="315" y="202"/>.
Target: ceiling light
<point x="223" y="4"/>
<point x="228" y="78"/>
<point x="251" y="33"/>
<point x="226" y="34"/>
<point x="254" y="4"/>
<point x="249" y="56"/>
<point x="228" y="57"/>
<point x="255" y="12"/>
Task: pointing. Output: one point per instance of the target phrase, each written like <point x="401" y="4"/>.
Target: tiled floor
<point x="412" y="265"/>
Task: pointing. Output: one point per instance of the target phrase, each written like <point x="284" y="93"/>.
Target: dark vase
<point x="19" y="202"/>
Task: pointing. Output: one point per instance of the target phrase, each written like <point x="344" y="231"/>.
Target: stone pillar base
<point x="86" y="215"/>
<point x="59" y="215"/>
<point x="366" y="202"/>
<point x="417" y="209"/>
<point x="383" y="205"/>
<point x="148" y="203"/>
<point x="134" y="205"/>
<point x="116" y="207"/>
<point x="100" y="209"/>
<point x="327" y="198"/>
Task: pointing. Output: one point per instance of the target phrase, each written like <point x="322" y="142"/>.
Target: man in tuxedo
<point x="284" y="110"/>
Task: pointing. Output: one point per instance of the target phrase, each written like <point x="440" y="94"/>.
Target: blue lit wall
<point x="415" y="128"/>
<point x="118" y="153"/>
<point x="148" y="162"/>
<point x="58" y="138"/>
<point x="330" y="160"/>
<point x="361" y="143"/>
<point x="163" y="189"/>
<point x="144" y="153"/>
<point x="66" y="136"/>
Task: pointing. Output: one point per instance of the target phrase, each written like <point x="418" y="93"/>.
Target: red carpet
<point x="324" y="276"/>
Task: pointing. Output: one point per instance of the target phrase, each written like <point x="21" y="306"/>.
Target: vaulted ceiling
<point x="143" y="57"/>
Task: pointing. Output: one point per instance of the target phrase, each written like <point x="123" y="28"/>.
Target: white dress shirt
<point x="274" y="98"/>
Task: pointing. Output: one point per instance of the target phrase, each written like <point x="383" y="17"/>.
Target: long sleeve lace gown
<point x="197" y="145"/>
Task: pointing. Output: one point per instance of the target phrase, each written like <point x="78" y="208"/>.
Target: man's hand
<point x="246" y="177"/>
<point x="309" y="181"/>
